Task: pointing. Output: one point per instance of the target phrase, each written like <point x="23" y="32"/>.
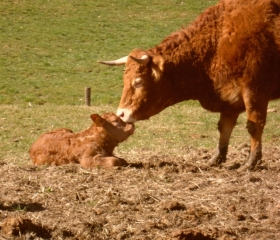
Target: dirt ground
<point x="156" y="197"/>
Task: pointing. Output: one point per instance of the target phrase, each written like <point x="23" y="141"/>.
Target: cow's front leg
<point x="225" y="126"/>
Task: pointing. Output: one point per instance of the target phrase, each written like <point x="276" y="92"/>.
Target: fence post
<point x="87" y="96"/>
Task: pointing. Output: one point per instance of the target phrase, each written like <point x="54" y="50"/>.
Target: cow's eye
<point x="138" y="82"/>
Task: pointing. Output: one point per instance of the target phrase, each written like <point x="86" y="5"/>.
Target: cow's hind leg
<point x="255" y="124"/>
<point x="225" y="126"/>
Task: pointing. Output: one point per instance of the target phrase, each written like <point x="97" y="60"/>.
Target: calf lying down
<point x="92" y="147"/>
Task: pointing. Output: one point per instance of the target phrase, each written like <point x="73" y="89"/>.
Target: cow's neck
<point x="189" y="54"/>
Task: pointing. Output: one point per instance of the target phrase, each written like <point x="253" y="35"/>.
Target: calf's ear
<point x="97" y="119"/>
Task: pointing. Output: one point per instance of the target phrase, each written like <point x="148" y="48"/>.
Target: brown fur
<point x="92" y="147"/>
<point x="228" y="60"/>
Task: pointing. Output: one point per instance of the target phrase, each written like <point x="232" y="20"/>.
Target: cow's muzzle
<point x="126" y="115"/>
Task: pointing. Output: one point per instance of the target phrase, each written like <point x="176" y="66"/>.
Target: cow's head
<point x="144" y="92"/>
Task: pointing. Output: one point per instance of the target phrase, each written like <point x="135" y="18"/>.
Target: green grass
<point x="48" y="54"/>
<point x="49" y="49"/>
<point x="183" y="125"/>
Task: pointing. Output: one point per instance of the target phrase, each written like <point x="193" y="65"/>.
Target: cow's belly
<point x="275" y="94"/>
<point x="223" y="102"/>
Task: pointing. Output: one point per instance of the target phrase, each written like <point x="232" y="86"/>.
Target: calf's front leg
<point x="102" y="161"/>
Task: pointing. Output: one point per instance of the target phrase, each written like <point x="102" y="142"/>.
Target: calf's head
<point x="113" y="126"/>
<point x="143" y="91"/>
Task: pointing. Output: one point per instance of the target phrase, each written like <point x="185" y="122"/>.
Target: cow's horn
<point x="117" y="62"/>
<point x="143" y="60"/>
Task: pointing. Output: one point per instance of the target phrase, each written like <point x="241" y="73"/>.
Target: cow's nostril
<point x="121" y="114"/>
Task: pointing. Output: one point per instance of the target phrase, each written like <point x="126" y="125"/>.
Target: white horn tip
<point x="117" y="62"/>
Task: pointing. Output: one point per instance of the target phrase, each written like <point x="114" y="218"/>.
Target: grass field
<point x="49" y="49"/>
<point x="48" y="55"/>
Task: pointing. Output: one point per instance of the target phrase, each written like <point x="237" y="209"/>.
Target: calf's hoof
<point x="113" y="162"/>
<point x="122" y="162"/>
<point x="105" y="162"/>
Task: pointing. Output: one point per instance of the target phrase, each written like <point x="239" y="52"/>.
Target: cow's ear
<point x="97" y="119"/>
<point x="157" y="66"/>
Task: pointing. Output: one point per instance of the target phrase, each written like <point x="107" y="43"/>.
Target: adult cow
<point x="228" y="59"/>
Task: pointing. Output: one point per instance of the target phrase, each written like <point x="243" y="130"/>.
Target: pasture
<point x="48" y="54"/>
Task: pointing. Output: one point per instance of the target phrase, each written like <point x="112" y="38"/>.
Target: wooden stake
<point x="87" y="96"/>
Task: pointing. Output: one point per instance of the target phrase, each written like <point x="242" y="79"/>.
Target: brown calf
<point x="92" y="147"/>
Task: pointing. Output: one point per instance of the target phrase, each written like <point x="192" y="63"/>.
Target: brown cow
<point x="92" y="147"/>
<point x="228" y="59"/>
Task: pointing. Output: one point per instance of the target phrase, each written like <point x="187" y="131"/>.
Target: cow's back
<point x="248" y="50"/>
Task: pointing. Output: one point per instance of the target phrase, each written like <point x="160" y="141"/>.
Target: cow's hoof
<point x="219" y="157"/>
<point x="216" y="161"/>
<point x="212" y="162"/>
<point x="245" y="168"/>
<point x="234" y="166"/>
<point x="250" y="165"/>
